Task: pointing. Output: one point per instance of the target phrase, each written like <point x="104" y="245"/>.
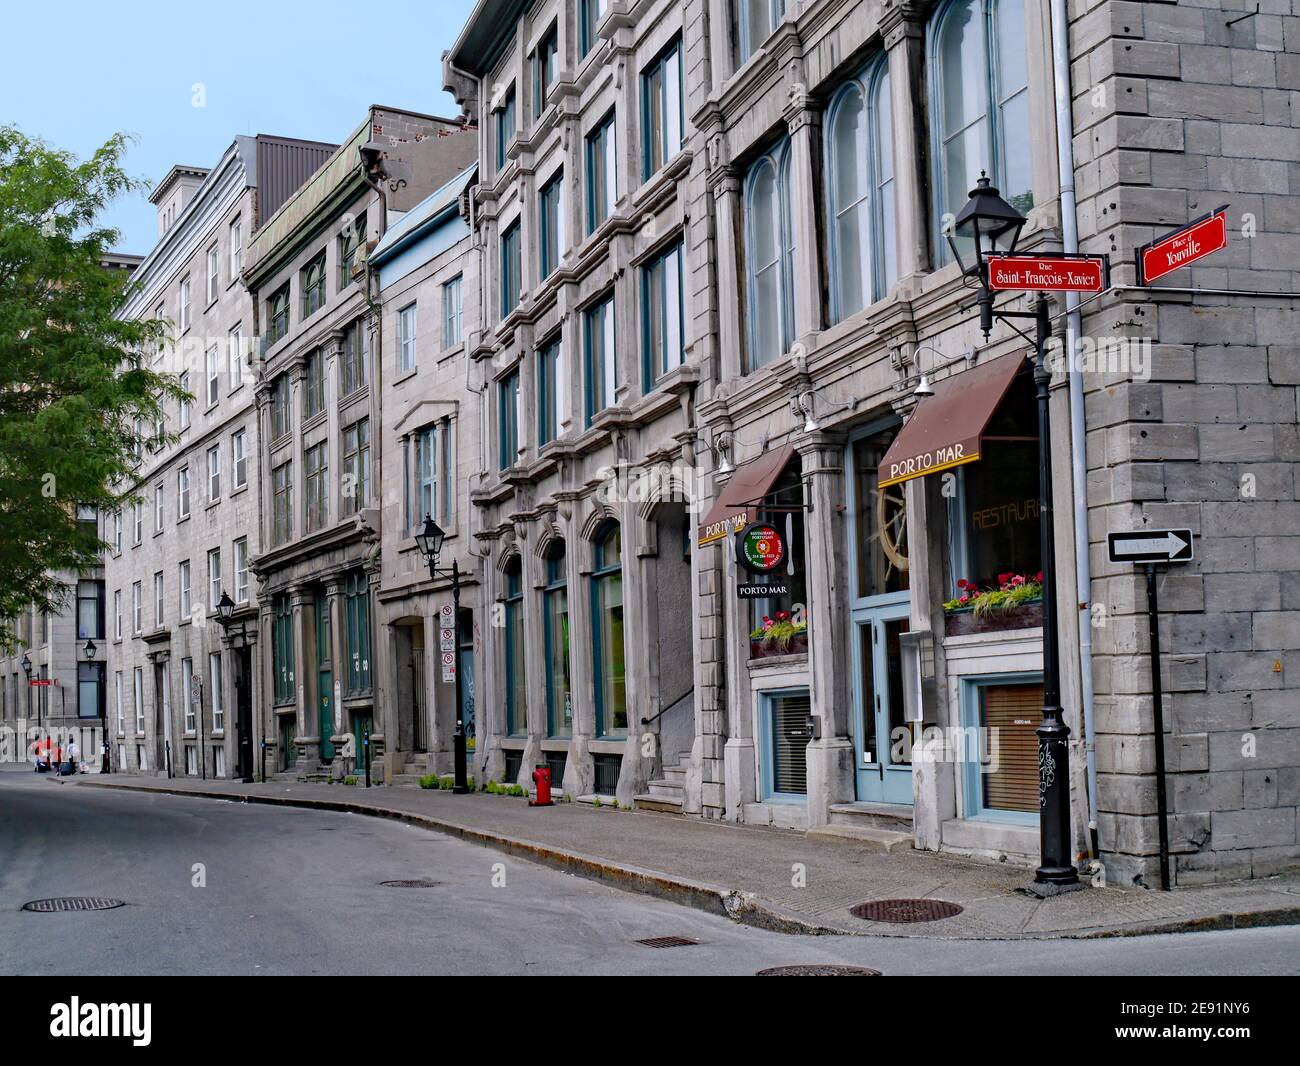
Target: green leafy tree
<point x="75" y="380"/>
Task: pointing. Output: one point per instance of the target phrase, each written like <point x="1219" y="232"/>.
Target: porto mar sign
<point x="1183" y="246"/>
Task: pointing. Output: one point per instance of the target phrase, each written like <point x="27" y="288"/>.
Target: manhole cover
<point x="417" y="883"/>
<point x="905" y="910"/>
<point x="668" y="942"/>
<point x="821" y="970"/>
<point x="73" y="903"/>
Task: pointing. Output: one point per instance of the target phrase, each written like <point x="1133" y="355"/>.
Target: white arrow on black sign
<point x="1150" y="546"/>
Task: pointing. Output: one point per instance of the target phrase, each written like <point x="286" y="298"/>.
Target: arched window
<point x="516" y="702"/>
<point x="607" y="632"/>
<point x="981" y="104"/>
<point x="555" y="621"/>
<point x="769" y="256"/>
<point x="860" y="180"/>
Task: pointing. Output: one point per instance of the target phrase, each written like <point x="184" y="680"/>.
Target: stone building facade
<point x="818" y="151"/>
<point x="429" y="287"/>
<point x="183" y="693"/>
<point x="317" y="386"/>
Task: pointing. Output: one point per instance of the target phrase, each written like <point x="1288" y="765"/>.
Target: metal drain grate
<point x="667" y="942"/>
<point x="819" y="970"/>
<point x="900" y="911"/>
<point x="417" y="883"/>
<point x="73" y="903"/>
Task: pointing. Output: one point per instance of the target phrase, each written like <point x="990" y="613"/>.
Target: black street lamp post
<point x="104" y="767"/>
<point x="994" y="227"/>
<point x="225" y="615"/>
<point x="429" y="540"/>
<point x="27" y="670"/>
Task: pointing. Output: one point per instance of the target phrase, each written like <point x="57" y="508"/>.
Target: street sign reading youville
<point x="1052" y="273"/>
<point x="1183" y="246"/>
<point x="1150" y="546"/>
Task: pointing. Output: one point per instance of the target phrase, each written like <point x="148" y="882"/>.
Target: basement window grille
<point x="607" y="768"/>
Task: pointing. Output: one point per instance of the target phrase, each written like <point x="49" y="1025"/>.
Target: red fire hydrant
<point x="542" y="780"/>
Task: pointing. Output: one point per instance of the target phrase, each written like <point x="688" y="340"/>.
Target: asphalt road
<point x="290" y="891"/>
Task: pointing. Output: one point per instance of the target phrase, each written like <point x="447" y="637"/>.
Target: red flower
<point x="1003" y="578"/>
<point x="766" y="620"/>
<point x="1038" y="576"/>
<point x="961" y="582"/>
<point x="964" y="599"/>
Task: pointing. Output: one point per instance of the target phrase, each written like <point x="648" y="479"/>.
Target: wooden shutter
<point x="1014" y="711"/>
<point x="790" y="743"/>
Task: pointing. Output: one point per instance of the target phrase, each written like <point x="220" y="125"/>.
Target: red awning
<point x="946" y="429"/>
<point x="738" y="502"/>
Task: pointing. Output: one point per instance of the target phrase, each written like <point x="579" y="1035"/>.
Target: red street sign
<point x="1050" y="273"/>
<point x="1197" y="239"/>
<point x="41" y="682"/>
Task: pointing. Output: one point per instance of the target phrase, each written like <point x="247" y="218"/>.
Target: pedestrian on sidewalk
<point x="73" y="755"/>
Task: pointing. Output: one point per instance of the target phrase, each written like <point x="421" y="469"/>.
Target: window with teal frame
<point x="998" y="746"/>
<point x="508" y="420"/>
<point x="769" y="256"/>
<point x="600" y="366"/>
<point x="555" y="621"/>
<point x="504" y="125"/>
<point x="589" y="15"/>
<point x="548" y="397"/>
<point x="602" y="173"/>
<point x="510" y="269"/>
<point x="756" y="20"/>
<point x="662" y="117"/>
<point x="608" y="661"/>
<point x="550" y="218"/>
<point x="663" y="320"/>
<point x="862" y="255"/>
<point x="516" y="677"/>
<point x="356" y="612"/>
<point x="979" y="106"/>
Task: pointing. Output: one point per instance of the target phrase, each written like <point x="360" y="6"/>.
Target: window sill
<point x="240" y="490"/>
<point x="183" y="518"/>
<point x="405" y="375"/>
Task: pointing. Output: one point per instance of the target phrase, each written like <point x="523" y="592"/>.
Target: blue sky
<point x="77" y="72"/>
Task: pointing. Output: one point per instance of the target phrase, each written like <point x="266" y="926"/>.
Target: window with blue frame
<point x="508" y="419"/>
<point x="860" y="188"/>
<point x="510" y="280"/>
<point x="550" y="218"/>
<point x="503" y="124"/>
<point x="555" y="621"/>
<point x="598" y="356"/>
<point x="602" y="188"/>
<point x="784" y="753"/>
<point x="544" y="57"/>
<point x="998" y="746"/>
<point x="663" y="325"/>
<point x="513" y="602"/>
<point x="590" y="13"/>
<point x="607" y="632"/>
<point x="548" y="391"/>
<point x="756" y="20"/>
<point x="661" y="109"/>
<point x="979" y="105"/>
<point x="282" y="650"/>
<point x="769" y="256"/>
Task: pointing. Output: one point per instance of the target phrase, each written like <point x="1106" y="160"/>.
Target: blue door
<point x="879" y="606"/>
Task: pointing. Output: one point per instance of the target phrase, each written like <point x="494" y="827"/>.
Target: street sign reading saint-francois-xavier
<point x="1049" y="273"/>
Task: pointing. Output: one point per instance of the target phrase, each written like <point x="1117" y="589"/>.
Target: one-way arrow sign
<point x="1150" y="546"/>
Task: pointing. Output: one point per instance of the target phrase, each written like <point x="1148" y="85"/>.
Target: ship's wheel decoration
<point x="891" y="530"/>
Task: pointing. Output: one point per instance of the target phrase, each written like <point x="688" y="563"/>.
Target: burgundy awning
<point x="737" y="504"/>
<point x="946" y="429"/>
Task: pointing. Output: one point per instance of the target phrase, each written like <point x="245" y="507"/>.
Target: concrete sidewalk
<point x="751" y="873"/>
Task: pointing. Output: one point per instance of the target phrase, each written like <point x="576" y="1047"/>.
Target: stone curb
<point x="740" y="906"/>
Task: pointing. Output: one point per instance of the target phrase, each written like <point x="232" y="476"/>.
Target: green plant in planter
<point x="779" y="631"/>
<point x="430" y="781"/>
<point x="349" y="780"/>
<point x="1013" y="592"/>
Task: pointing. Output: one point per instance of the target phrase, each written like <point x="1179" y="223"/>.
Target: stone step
<point x="407" y="780"/>
<point x="893" y="816"/>
<point x="667" y="788"/>
<point x="870" y="839"/>
<point x="659" y="802"/>
<point x="590" y="800"/>
<point x="675" y="775"/>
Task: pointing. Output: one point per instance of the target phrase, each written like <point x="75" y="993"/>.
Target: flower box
<point x="759" y="649"/>
<point x="964" y="621"/>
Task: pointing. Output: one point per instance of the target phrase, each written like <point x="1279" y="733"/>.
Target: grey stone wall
<point x="1176" y="114"/>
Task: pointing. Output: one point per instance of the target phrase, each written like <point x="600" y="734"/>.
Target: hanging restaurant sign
<point x="760" y="549"/>
<point x="1050" y="273"/>
<point x="1183" y="246"/>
